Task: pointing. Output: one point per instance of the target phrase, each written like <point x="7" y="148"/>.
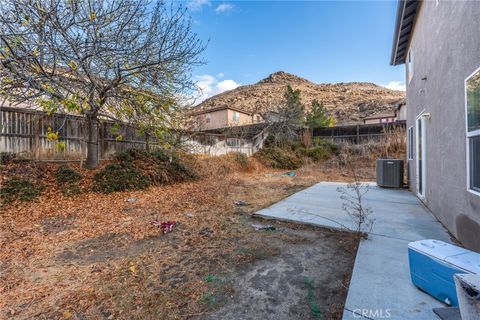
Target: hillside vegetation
<point x="347" y="102"/>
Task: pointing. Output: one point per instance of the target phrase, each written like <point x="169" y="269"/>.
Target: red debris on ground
<point x="166" y="226"/>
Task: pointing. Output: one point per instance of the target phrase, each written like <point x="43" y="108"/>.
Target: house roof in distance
<point x="380" y="116"/>
<point x="406" y="15"/>
<point x="219" y="108"/>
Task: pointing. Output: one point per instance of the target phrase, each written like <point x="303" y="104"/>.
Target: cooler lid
<point x="469" y="261"/>
<point x="436" y="248"/>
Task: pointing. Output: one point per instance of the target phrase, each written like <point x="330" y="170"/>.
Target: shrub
<point x="68" y="179"/>
<point x="318" y="153"/>
<point x="138" y="154"/>
<point x="140" y="168"/>
<point x="6" y="157"/>
<point x="20" y="189"/>
<point x="322" y="150"/>
<point x="119" y="177"/>
<point x="280" y="158"/>
<point x="164" y="155"/>
<point x="241" y="159"/>
<point x="327" y="144"/>
<point x="130" y="155"/>
<point x="65" y="174"/>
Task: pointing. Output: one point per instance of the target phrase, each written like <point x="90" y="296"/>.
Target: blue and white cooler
<point x="433" y="264"/>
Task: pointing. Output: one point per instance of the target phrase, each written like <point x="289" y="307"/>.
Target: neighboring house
<point x="401" y="113"/>
<point x="223" y="117"/>
<point x="380" y="118"/>
<point x="439" y="43"/>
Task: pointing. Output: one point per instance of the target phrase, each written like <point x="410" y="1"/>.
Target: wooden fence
<point x="24" y="132"/>
<point x="357" y="134"/>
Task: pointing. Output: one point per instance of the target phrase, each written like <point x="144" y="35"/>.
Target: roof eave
<point x="405" y="20"/>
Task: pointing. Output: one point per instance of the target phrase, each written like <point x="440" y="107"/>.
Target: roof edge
<point x="396" y="34"/>
<point x="407" y="11"/>
<point x="222" y="108"/>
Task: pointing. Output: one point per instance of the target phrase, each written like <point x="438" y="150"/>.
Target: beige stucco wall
<point x="221" y="119"/>
<point x="244" y="119"/>
<point x="218" y="119"/>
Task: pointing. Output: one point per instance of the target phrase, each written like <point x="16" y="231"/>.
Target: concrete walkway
<point x="380" y="286"/>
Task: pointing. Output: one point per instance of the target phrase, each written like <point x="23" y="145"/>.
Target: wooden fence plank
<point x="24" y="131"/>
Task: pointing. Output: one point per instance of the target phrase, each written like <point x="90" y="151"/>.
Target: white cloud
<point x="224" y="7"/>
<point x="395" y="85"/>
<point x="220" y="75"/>
<point x="227" y="85"/>
<point x="196" y="5"/>
<point x="209" y="86"/>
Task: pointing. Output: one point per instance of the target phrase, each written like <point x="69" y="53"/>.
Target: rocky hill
<point x="348" y="102"/>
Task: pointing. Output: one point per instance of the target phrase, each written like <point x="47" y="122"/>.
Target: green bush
<point x="241" y="159"/>
<point x="20" y="189"/>
<point x="68" y="178"/>
<point x="65" y="174"/>
<point x="138" y="169"/>
<point x="130" y="155"/>
<point x="281" y="141"/>
<point x="119" y="177"/>
<point x="327" y="144"/>
<point x="137" y="154"/>
<point x="164" y="155"/>
<point x="318" y="153"/>
<point x="322" y="150"/>
<point x="280" y="158"/>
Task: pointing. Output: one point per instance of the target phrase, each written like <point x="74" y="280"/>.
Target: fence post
<point x="147" y="144"/>
<point x="358" y="134"/>
<point x="37" y="131"/>
<point x="101" y="137"/>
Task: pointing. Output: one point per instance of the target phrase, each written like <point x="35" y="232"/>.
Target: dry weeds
<point x="99" y="256"/>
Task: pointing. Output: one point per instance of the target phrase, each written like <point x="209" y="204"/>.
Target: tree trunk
<point x="92" y="142"/>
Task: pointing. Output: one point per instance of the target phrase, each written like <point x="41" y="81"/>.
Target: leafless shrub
<point x="352" y="196"/>
<point x="394" y="141"/>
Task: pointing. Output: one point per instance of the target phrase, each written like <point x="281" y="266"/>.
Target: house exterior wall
<point x="244" y="118"/>
<point x="218" y="119"/>
<point x="402" y="113"/>
<point x="221" y="119"/>
<point x="446" y="50"/>
<point x="380" y="120"/>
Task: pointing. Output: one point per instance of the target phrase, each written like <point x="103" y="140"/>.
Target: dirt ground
<point x="307" y="278"/>
<point x="100" y="256"/>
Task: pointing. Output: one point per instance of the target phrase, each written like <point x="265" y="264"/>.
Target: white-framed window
<point x="472" y="111"/>
<point x="236" y="116"/>
<point x="410" y="143"/>
<point x="410" y="64"/>
<point x="234" y="142"/>
<point x="421" y="154"/>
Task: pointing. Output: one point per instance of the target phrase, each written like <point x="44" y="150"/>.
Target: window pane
<point x="419" y="156"/>
<point x="475" y="163"/>
<point x="473" y="102"/>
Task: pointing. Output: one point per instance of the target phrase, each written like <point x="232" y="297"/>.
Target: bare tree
<point x="124" y="59"/>
<point x="352" y="196"/>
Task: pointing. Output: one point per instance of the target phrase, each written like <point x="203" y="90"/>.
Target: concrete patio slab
<point x="380" y="286"/>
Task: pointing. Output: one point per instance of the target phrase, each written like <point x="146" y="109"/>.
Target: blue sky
<point x="322" y="41"/>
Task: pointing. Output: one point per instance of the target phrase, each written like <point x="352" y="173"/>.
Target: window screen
<point x="475" y="163"/>
<point x="472" y="87"/>
<point x="473" y="102"/>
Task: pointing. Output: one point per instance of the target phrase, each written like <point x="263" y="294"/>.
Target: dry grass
<point x="99" y="256"/>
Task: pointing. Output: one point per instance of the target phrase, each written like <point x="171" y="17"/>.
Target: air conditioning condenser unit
<point x="390" y="173"/>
